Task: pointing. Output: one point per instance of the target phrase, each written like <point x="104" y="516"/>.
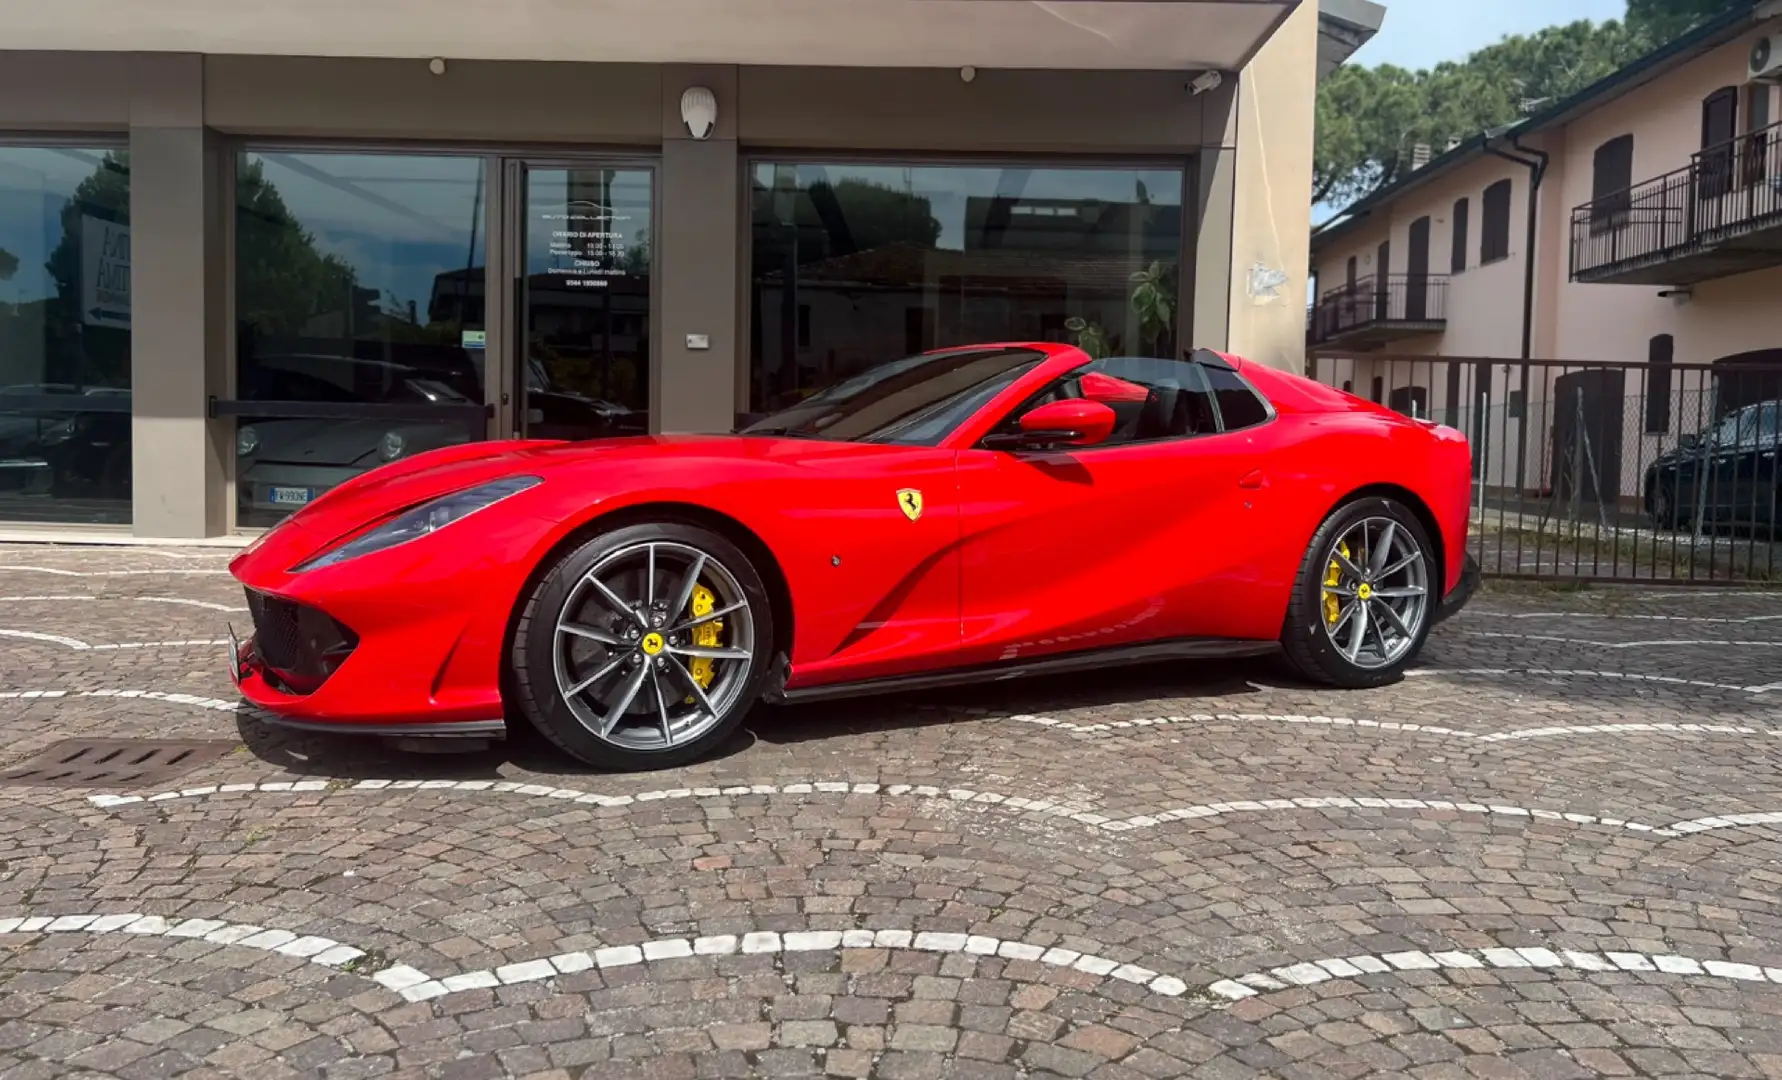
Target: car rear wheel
<point x="1364" y="597"/>
<point x="1666" y="513"/>
<point x="643" y="648"/>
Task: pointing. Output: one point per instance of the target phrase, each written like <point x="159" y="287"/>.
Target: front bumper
<point x="1468" y="585"/>
<point x="407" y="641"/>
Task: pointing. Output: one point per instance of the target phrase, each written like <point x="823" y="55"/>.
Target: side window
<point x="1151" y="399"/>
<point x="1769" y="425"/>
<point x="1239" y="405"/>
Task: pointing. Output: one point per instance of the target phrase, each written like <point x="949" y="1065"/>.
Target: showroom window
<point x="855" y="265"/>
<point x="65" y="334"/>
<point x="359" y="299"/>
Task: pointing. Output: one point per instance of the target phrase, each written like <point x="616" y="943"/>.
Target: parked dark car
<point x="1728" y="474"/>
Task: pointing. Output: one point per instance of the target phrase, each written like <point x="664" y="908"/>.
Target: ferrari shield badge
<point x="909" y="500"/>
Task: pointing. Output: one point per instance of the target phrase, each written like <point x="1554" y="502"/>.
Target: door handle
<point x="1253" y="480"/>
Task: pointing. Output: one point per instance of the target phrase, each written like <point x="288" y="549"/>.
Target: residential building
<point x="1595" y="283"/>
<point x="249" y="249"/>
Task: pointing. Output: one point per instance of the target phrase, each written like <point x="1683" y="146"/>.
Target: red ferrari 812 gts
<point x="960" y="516"/>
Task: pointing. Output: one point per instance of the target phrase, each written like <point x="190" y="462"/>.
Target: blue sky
<point x="1421" y="33"/>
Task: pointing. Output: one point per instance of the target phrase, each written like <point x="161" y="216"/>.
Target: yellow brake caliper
<point x="1332" y="609"/>
<point x="707" y="635"/>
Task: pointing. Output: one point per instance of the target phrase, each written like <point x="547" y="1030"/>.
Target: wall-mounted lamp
<point x="699" y="111"/>
<point x="436" y="65"/>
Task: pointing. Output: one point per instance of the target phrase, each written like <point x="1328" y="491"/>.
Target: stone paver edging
<point x="1310" y="973"/>
<point x="194" y="700"/>
<point x="415" y="985"/>
<point x="1606" y="616"/>
<point x="1516" y="735"/>
<point x="1573" y="673"/>
<point x="1437" y="730"/>
<point x="1054" y="808"/>
<point x="177" y="600"/>
<point x="83" y="646"/>
<point x="1555" y="639"/>
<point x="57" y="572"/>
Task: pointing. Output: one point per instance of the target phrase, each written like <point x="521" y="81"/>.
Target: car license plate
<point x="234" y="656"/>
<point x="289" y="496"/>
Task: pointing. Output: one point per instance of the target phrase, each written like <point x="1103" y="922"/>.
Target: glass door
<point x="581" y="299"/>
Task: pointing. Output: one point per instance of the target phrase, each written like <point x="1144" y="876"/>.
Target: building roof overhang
<point x="1012" y="34"/>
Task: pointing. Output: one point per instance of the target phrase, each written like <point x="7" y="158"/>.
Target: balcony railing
<point x="1380" y="309"/>
<point x="1719" y="215"/>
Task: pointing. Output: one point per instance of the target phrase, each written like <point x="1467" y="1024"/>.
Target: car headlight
<point x="59" y="433"/>
<point x="423" y="520"/>
<point x="392" y="446"/>
<point x="247" y="440"/>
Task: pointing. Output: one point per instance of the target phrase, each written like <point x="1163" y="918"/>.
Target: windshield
<point x="916" y="401"/>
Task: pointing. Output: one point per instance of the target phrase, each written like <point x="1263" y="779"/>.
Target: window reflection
<point x="858" y="264"/>
<point x="64" y="335"/>
<point x="359" y="281"/>
<point x="586" y="302"/>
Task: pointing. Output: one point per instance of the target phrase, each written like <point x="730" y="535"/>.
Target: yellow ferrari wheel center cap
<point x="1365" y="592"/>
<point x="652" y="644"/>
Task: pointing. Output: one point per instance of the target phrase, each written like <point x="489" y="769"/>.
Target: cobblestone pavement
<point x="1552" y="852"/>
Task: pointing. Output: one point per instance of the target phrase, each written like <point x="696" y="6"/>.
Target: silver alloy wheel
<point x="626" y="649"/>
<point x="1375" y="593"/>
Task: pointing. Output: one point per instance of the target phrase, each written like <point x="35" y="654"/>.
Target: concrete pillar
<point x="1272" y="209"/>
<point x="693" y="382"/>
<point x="1206" y="287"/>
<point x="179" y="332"/>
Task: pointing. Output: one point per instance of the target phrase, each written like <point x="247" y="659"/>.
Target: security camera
<point x="1206" y="80"/>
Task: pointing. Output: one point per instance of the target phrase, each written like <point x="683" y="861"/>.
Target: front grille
<point x="299" y="646"/>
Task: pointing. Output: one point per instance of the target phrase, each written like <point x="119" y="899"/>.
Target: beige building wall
<point x="1616" y="322"/>
<point x="1583" y="323"/>
<point x="1479" y="296"/>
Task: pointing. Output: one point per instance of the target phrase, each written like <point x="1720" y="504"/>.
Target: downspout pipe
<point x="1536" y="164"/>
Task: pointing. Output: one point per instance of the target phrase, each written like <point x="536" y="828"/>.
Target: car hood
<point x="595" y="470"/>
<point x="317" y="442"/>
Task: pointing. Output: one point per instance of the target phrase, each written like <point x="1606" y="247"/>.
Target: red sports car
<point x="964" y="515"/>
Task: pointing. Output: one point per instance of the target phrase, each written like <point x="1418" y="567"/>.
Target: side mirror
<point x="1061" y="423"/>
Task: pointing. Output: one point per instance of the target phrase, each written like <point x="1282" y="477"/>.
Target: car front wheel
<point x="644" y="647"/>
<point x="1365" y="595"/>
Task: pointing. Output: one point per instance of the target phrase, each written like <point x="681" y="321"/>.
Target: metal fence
<point x="1603" y="471"/>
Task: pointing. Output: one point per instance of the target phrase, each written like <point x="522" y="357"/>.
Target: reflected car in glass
<point x="965" y="515"/>
<point x="285" y="463"/>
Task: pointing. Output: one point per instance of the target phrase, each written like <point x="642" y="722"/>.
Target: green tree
<point x="1662" y="20"/>
<point x="1370" y="120"/>
<point x="282" y="280"/>
<point x="73" y="351"/>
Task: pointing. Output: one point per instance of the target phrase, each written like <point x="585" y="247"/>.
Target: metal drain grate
<point x="91" y="762"/>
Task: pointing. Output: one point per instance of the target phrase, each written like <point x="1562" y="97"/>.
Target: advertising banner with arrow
<point x="104" y="273"/>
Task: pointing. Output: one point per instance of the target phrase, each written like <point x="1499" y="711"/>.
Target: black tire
<point x="1306" y="645"/>
<point x="1666" y="513"/>
<point x="532" y="661"/>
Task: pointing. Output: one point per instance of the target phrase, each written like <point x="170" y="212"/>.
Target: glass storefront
<point x="855" y="265"/>
<point x="64" y="335"/>
<point x="359" y="298"/>
<point x="585" y="302"/>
